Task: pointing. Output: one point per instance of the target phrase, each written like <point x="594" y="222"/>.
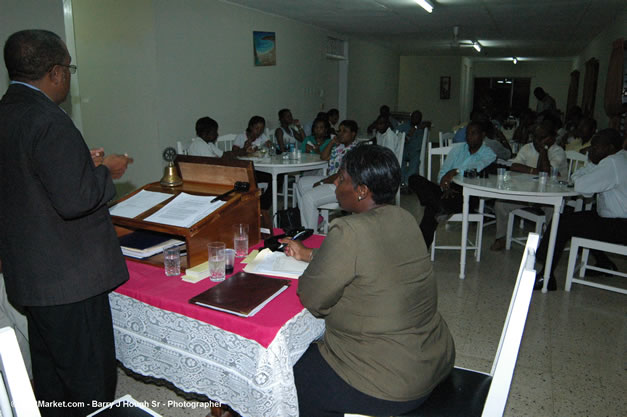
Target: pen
<point x="296" y="236"/>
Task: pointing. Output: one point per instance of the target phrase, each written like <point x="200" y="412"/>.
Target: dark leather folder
<point x="242" y="294"/>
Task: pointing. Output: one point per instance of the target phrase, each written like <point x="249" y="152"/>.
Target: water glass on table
<point x="240" y="240"/>
<point x="217" y="257"/>
<point x="172" y="261"/>
<point x="555" y="172"/>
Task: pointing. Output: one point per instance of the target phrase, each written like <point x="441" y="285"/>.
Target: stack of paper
<point x="197" y="273"/>
<point x="139" y="203"/>
<point x="185" y="210"/>
<point x="276" y="264"/>
<point x="143" y="243"/>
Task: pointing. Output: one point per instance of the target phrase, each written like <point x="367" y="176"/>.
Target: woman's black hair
<point x="375" y="167"/>
<point x="327" y="126"/>
<point x="254" y="120"/>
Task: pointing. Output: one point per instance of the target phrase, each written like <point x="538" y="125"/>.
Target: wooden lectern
<point x="202" y="176"/>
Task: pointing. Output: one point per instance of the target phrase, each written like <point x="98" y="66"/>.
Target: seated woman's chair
<point x="457" y="217"/>
<point x="469" y="393"/>
<point x="16" y="394"/>
<point x="225" y="142"/>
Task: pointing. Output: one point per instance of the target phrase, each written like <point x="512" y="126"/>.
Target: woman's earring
<point x="359" y="198"/>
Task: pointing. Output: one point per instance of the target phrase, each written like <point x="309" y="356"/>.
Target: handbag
<point x="288" y="219"/>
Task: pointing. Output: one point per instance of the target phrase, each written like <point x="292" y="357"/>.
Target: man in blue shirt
<point x="413" y="142"/>
<point x="447" y="197"/>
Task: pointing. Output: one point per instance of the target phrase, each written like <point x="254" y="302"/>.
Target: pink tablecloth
<point x="149" y="284"/>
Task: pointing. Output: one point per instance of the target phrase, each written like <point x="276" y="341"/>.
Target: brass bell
<point x="170" y="176"/>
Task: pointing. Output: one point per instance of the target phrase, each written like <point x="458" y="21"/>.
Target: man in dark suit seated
<point x="60" y="254"/>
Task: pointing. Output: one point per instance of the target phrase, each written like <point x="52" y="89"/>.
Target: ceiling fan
<point x="463" y="43"/>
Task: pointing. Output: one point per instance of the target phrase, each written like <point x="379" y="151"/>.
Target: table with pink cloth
<point x="243" y="362"/>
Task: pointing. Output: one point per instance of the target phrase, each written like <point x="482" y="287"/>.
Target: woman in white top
<point x="205" y="142"/>
<point x="286" y="134"/>
<point x="253" y="138"/>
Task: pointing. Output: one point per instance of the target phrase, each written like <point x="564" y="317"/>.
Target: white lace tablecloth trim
<point x="198" y="357"/>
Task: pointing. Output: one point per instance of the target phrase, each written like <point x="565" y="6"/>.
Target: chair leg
<point x="433" y="247"/>
<point x="479" y="237"/>
<point x="510" y="230"/>
<point x="584" y="262"/>
<point x="572" y="260"/>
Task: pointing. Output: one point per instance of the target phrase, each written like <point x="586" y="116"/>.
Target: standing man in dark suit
<point x="59" y="251"/>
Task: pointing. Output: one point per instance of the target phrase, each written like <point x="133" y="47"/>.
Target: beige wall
<point x="601" y="48"/>
<point x="419" y="88"/>
<point x="552" y="75"/>
<point x="373" y="73"/>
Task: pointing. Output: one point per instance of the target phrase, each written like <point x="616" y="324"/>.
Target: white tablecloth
<point x="198" y="357"/>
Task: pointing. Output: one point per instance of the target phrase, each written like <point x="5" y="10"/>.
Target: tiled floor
<point x="573" y="357"/>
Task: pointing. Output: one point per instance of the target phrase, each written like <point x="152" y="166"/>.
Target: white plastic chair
<point x="446" y="139"/>
<point x="324" y="212"/>
<point x="423" y="153"/>
<point x="575" y="161"/>
<point x="470" y="393"/>
<point x="457" y="217"/>
<point x="586" y="245"/>
<point x="225" y="142"/>
<point x="524" y="214"/>
<point x="182" y="146"/>
<point x="16" y="394"/>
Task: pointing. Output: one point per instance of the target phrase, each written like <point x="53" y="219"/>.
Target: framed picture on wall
<point x="264" y="45"/>
<point x="445" y="87"/>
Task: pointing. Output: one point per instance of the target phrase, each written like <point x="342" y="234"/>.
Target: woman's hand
<point x="296" y="249"/>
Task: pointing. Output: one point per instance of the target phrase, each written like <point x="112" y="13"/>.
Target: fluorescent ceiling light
<point x="425" y="5"/>
<point x="515" y="60"/>
<point x="477" y="46"/>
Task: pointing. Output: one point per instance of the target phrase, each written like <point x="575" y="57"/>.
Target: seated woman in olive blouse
<point x="386" y="346"/>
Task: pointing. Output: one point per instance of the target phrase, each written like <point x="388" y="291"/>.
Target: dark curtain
<point x="573" y="90"/>
<point x="590" y="86"/>
<point x="614" y="85"/>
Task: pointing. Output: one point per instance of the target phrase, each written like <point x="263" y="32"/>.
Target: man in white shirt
<point x="205" y="142"/>
<point x="385" y="136"/>
<point x="606" y="177"/>
<point x="539" y="156"/>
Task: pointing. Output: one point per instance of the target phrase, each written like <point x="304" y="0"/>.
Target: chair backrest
<point x="441" y="151"/>
<point x="446" y="138"/>
<point x="575" y="161"/>
<point x="507" y="351"/>
<point x="423" y="152"/>
<point x="16" y="394"/>
<point x="182" y="146"/>
<point x="225" y="142"/>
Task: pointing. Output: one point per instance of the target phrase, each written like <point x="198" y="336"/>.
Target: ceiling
<point x="505" y="28"/>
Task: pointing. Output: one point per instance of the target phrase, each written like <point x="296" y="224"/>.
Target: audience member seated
<point x="248" y="142"/>
<point x="205" y="142"/>
<point x="385" y="136"/>
<point x="290" y="130"/>
<point x="606" y="177"/>
<point x="586" y="128"/>
<point x="414" y="133"/>
<point x="385" y="112"/>
<point x="447" y="198"/>
<point x="386" y="346"/>
<point x="314" y="191"/>
<point x="539" y="156"/>
<point x="460" y="134"/>
<point x="309" y="126"/>
<point x="334" y="118"/>
<point x="253" y="138"/>
<point x="319" y="140"/>
<point x="522" y="134"/>
<point x="545" y="101"/>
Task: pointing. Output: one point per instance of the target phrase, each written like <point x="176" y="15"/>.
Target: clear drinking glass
<point x="172" y="261"/>
<point x="217" y="256"/>
<point x="240" y="240"/>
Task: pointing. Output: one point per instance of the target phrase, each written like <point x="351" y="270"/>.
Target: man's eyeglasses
<point x="72" y="68"/>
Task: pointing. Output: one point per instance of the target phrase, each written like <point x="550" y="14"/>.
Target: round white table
<point x="276" y="165"/>
<point x="518" y="187"/>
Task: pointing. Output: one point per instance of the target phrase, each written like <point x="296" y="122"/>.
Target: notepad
<point x="276" y="264"/>
<point x="242" y="294"/>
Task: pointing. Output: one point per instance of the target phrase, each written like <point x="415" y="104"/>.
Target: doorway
<point x="501" y="96"/>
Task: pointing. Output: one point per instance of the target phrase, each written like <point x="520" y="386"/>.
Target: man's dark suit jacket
<point x="57" y="242"/>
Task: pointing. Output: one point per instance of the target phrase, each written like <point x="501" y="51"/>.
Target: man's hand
<point x="445" y="182"/>
<point x="117" y="164"/>
<point x="97" y="155"/>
